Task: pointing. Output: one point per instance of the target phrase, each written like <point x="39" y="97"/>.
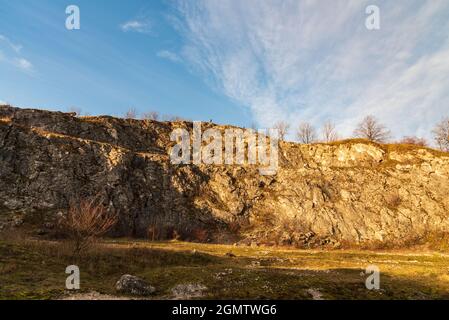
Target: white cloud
<point x="23" y="64"/>
<point x="141" y="26"/>
<point x="165" y="54"/>
<point x="13" y="55"/>
<point x="316" y="60"/>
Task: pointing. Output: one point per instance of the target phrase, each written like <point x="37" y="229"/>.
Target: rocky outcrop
<point x="354" y="191"/>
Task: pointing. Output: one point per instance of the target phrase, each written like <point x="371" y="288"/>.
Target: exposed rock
<point x="132" y="285"/>
<point x="188" y="291"/>
<point x="323" y="194"/>
<point x="315" y="293"/>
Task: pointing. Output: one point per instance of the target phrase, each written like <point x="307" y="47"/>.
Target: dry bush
<point x="152" y="115"/>
<point x="234" y="226"/>
<point x="154" y="232"/>
<point x="200" y="234"/>
<point x="85" y="222"/>
<point x="172" y="118"/>
<point x="131" y="113"/>
<point x="414" y="140"/>
<point x="158" y="231"/>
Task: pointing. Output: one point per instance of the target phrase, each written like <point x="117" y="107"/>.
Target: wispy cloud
<point x="14" y="56"/>
<point x="140" y="26"/>
<point x="315" y="60"/>
<point x="15" y="47"/>
<point x="165" y="54"/>
<point x="23" y="64"/>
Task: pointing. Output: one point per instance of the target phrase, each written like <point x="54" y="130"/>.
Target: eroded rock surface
<point x="352" y="191"/>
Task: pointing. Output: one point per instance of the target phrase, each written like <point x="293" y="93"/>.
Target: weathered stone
<point x="132" y="285"/>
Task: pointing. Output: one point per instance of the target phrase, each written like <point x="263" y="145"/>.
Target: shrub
<point x="200" y="234"/>
<point x="85" y="222"/>
<point x="414" y="140"/>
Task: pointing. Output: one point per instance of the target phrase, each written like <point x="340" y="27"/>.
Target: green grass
<point x="36" y="270"/>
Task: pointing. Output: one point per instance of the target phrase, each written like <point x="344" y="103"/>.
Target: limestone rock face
<point x="353" y="191"/>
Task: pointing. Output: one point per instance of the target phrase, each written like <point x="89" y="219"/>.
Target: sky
<point x="241" y="62"/>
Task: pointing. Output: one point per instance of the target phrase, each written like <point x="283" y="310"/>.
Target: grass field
<point x="36" y="270"/>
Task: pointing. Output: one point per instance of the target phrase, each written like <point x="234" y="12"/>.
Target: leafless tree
<point x="371" y="129"/>
<point x="329" y="132"/>
<point x="306" y="133"/>
<point x="441" y="134"/>
<point x="85" y="222"/>
<point x="283" y="128"/>
<point x="131" y="113"/>
<point x="414" y="140"/>
<point x="152" y="115"/>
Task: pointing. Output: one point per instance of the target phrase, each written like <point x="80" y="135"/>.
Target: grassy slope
<point x="36" y="271"/>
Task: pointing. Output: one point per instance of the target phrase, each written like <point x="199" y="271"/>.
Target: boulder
<point x="132" y="285"/>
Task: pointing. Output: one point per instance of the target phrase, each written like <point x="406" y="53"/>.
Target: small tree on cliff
<point x="131" y="113"/>
<point x="152" y="115"/>
<point x="371" y="129"/>
<point x="283" y="128"/>
<point x="306" y="133"/>
<point x="85" y="222"/>
<point x="329" y="132"/>
<point x="441" y="134"/>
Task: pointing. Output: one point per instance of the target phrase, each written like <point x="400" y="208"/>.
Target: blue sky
<point x="103" y="68"/>
<point x="233" y="61"/>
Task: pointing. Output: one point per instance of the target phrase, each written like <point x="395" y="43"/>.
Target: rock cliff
<point x="352" y="191"/>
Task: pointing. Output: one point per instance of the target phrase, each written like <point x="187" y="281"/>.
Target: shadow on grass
<point x="37" y="271"/>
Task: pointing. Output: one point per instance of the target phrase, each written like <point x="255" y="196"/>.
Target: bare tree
<point x="283" y="128"/>
<point x="372" y="130"/>
<point x="441" y="134"/>
<point x="414" y="140"/>
<point x="306" y="133"/>
<point x="329" y="132"/>
<point x="85" y="222"/>
<point x="131" y="113"/>
<point x="152" y="115"/>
